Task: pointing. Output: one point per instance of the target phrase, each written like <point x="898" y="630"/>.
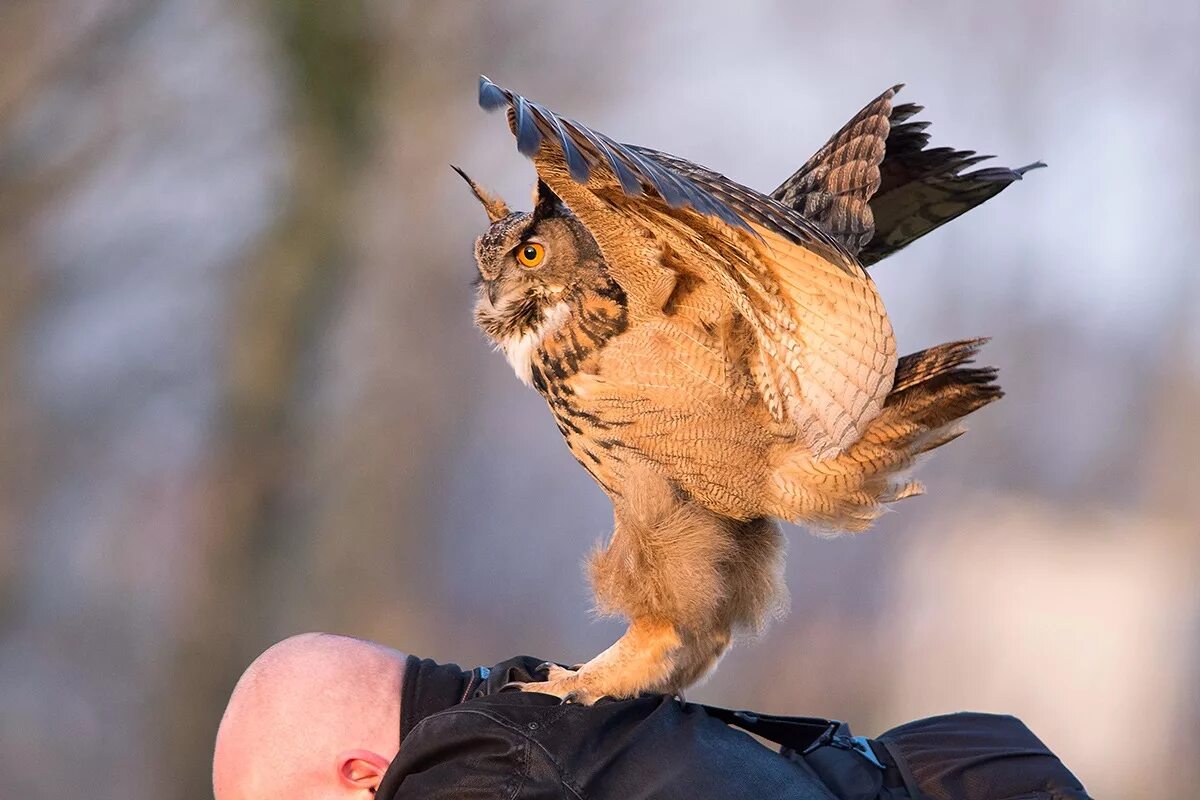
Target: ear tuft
<point x="496" y="208"/>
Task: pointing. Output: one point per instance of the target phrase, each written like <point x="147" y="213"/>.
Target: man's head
<point x="316" y="715"/>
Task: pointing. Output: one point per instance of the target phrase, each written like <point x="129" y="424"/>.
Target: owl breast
<point x="673" y="394"/>
<point x="566" y="357"/>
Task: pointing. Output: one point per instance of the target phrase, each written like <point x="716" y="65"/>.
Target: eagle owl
<point x="719" y="359"/>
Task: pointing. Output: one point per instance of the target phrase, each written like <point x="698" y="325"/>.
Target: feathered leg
<point x="686" y="579"/>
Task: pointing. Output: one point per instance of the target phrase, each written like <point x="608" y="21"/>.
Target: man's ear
<point x="361" y="769"/>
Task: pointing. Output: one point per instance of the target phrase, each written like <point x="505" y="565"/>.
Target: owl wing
<point x="825" y="354"/>
<point x="834" y="188"/>
<point x="910" y="192"/>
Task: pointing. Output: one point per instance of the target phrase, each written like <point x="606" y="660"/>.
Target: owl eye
<point x="531" y="254"/>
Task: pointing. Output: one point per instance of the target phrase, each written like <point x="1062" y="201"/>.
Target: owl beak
<point x="496" y="208"/>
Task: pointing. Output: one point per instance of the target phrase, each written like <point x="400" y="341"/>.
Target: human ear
<point x="361" y="769"/>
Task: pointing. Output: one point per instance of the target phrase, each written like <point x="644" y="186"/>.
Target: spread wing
<point x="825" y="354"/>
<point x="912" y="190"/>
<point x="834" y="188"/>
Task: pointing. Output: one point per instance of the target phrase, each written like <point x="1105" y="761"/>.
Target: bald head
<point x="316" y="715"/>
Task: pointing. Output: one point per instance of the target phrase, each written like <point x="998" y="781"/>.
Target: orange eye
<point x="531" y="254"/>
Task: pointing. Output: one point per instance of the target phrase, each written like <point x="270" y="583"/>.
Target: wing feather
<point x="878" y="201"/>
<point x="825" y="353"/>
<point x="834" y="187"/>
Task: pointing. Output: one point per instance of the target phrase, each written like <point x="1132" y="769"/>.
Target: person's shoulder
<point x="653" y="746"/>
<point x="487" y="745"/>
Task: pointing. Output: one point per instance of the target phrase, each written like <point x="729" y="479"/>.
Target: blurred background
<point x="241" y="396"/>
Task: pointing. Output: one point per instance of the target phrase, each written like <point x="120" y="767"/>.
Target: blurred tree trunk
<point x="17" y="462"/>
<point x="233" y="606"/>
<point x="18" y="23"/>
<point x="317" y="511"/>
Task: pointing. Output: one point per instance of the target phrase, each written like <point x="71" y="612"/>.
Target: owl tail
<point x="933" y="390"/>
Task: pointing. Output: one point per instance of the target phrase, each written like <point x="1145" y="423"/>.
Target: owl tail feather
<point x="933" y="390"/>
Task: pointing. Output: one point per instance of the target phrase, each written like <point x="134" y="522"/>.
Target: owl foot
<point x="640" y="661"/>
<point x="555" y="675"/>
<point x="568" y="686"/>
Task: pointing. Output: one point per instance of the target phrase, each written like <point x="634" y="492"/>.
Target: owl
<point x="720" y="360"/>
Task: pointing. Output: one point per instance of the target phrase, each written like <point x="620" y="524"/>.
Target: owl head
<point x="530" y="263"/>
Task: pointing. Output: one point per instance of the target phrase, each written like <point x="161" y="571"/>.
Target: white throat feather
<point x="519" y="348"/>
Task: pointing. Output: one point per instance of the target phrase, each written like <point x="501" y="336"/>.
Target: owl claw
<point x="555" y="673"/>
<point x="567" y="685"/>
<point x="569" y="691"/>
<point x="549" y="666"/>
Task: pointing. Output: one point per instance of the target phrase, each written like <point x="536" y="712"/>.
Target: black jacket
<point x="462" y="738"/>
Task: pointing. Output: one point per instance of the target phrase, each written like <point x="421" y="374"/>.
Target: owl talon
<point x="569" y="687"/>
<point x="556" y="673"/>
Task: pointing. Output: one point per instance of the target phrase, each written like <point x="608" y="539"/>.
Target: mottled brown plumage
<point x="717" y="359"/>
<point x="915" y="189"/>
